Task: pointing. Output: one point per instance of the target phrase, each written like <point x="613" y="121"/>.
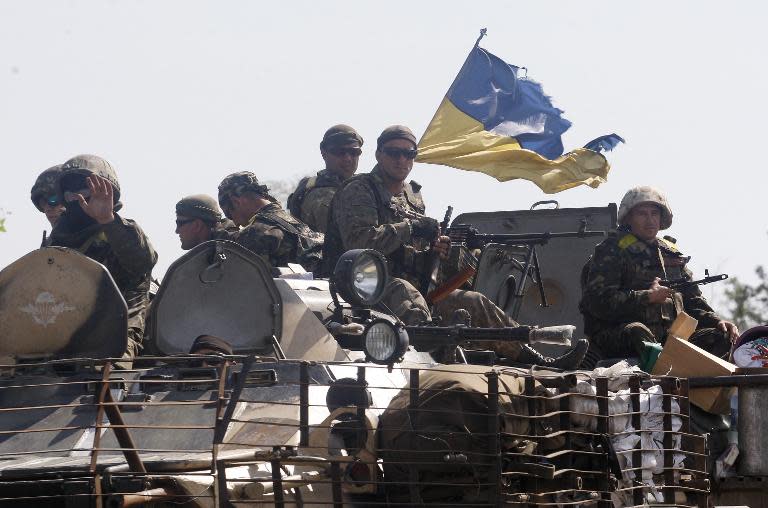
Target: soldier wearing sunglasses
<point x="382" y="211"/>
<point x="45" y="195"/>
<point x="199" y="219"/>
<point x="340" y="149"/>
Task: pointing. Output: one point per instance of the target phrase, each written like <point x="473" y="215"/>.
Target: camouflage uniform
<point x="617" y="314"/>
<point x="311" y="200"/>
<point x="121" y="246"/>
<point x="272" y="232"/>
<point x="365" y="215"/>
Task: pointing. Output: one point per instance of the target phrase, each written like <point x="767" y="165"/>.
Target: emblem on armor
<point x="45" y="310"/>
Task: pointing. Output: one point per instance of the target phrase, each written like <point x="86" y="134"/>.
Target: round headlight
<point x="385" y="342"/>
<point x="360" y="276"/>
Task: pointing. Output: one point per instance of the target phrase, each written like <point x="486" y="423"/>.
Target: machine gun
<point x="429" y="338"/>
<point x="682" y="284"/>
<point x="473" y="239"/>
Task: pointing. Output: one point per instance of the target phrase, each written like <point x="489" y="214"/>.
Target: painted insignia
<point x="45" y="310"/>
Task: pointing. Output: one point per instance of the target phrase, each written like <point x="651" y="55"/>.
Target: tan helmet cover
<point x="644" y="194"/>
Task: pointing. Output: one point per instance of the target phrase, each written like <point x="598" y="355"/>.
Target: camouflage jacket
<point x="123" y="248"/>
<point x="312" y="199"/>
<point x="616" y="286"/>
<point x="364" y="215"/>
<point x="280" y="238"/>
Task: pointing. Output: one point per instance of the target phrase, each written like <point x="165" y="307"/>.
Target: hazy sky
<point x="179" y="94"/>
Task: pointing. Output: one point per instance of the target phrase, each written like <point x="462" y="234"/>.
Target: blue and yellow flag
<point x="496" y="123"/>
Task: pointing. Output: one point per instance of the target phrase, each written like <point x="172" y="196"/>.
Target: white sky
<point x="179" y="94"/>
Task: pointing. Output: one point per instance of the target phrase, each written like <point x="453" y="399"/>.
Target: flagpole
<point x="483" y="33"/>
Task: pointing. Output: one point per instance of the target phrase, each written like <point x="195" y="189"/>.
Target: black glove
<point x="425" y="227"/>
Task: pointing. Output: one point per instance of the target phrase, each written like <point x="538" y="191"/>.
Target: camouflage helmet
<point x="92" y="165"/>
<point x="47" y="184"/>
<point x="199" y="206"/>
<point x="644" y="194"/>
<point x="236" y="184"/>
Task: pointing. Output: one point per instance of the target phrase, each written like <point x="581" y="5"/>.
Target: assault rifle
<point x="432" y="264"/>
<point x="682" y="284"/>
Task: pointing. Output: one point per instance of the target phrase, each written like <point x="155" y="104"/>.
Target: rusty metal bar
<point x="530" y="391"/>
<point x="221" y="484"/>
<point x="668" y="388"/>
<point x="303" y="404"/>
<point x="413" y="401"/>
<point x="277" y="484"/>
<point x="601" y="387"/>
<point x="637" y="454"/>
<point x="364" y="384"/>
<point x="494" y="444"/>
<point x="338" y="500"/>
<point x="122" y="434"/>
<point x="101" y="390"/>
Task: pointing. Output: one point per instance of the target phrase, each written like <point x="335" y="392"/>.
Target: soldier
<point x="623" y="302"/>
<point x="45" y="195"/>
<point x="381" y="211"/>
<point x="340" y="149"/>
<point x="199" y="219"/>
<point x="267" y="229"/>
<point x="92" y="225"/>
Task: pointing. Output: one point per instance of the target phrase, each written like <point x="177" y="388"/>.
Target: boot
<point x="568" y="361"/>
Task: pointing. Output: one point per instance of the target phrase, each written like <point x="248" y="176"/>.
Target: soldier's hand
<point x="729" y="329"/>
<point x="425" y="227"/>
<point x="100" y="205"/>
<point x="659" y="293"/>
<point x="442" y="246"/>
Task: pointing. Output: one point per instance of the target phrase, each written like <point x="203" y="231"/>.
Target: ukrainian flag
<point x="496" y="123"/>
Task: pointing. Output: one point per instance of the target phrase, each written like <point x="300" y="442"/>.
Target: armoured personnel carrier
<point x="324" y="401"/>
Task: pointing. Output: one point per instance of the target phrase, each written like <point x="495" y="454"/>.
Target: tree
<point x="748" y="303"/>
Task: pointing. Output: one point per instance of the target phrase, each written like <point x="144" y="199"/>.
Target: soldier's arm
<point x="697" y="306"/>
<point x="358" y="221"/>
<point x="130" y="245"/>
<point x="604" y="297"/>
<point x="262" y="240"/>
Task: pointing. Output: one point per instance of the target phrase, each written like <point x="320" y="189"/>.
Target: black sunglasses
<point x="340" y="152"/>
<point x="396" y="153"/>
<point x="181" y="222"/>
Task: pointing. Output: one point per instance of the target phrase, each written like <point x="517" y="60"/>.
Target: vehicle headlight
<point x="360" y="276"/>
<point x="384" y="342"/>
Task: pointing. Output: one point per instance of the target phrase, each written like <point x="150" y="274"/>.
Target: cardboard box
<point x="682" y="359"/>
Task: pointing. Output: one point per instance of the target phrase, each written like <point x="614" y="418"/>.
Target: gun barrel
<point x="429" y="338"/>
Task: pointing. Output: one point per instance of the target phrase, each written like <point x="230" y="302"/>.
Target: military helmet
<point x="395" y="132"/>
<point x="47" y="184"/>
<point x="199" y="206"/>
<point x="88" y="165"/>
<point x="236" y="184"/>
<point x="340" y="135"/>
<point x="644" y="194"/>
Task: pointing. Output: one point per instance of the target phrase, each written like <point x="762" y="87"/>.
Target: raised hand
<point x="100" y="205"/>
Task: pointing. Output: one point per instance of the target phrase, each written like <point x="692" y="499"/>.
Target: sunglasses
<point x="396" y="153"/>
<point x="341" y="152"/>
<point x="52" y="200"/>
<point x="181" y="222"/>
